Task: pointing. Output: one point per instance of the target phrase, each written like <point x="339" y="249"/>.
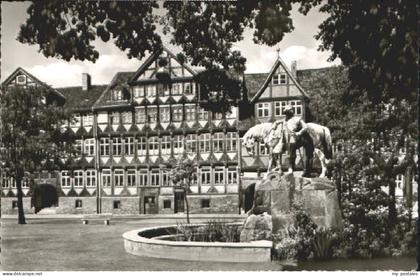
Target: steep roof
<point x="278" y="62"/>
<point x="153" y="57"/>
<point x="20" y="70"/>
<point x="77" y="99"/>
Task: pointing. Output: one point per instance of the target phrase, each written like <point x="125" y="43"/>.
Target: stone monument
<point x="275" y="195"/>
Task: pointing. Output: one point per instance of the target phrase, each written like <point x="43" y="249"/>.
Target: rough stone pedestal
<point x="257" y="227"/>
<point x="276" y="195"/>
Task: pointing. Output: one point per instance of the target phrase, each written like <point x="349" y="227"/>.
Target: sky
<point x="299" y="45"/>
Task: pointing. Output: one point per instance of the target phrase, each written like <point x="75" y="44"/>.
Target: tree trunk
<point x="392" y="210"/>
<point x="21" y="214"/>
<point x="187" y="206"/>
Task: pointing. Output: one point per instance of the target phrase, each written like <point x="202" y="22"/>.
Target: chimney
<point x="293" y="68"/>
<point x="85" y="82"/>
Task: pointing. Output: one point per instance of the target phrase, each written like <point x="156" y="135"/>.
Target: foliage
<point x="388" y="67"/>
<point x="372" y="224"/>
<point x="304" y="240"/>
<point x="32" y="135"/>
<point x="211" y="231"/>
<point x="183" y="174"/>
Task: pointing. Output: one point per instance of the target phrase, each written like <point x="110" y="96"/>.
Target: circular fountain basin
<point x="155" y="242"/>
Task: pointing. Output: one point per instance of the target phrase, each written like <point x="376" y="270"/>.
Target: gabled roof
<point x="77" y="99"/>
<point x="20" y="70"/>
<point x="152" y="58"/>
<point x="278" y="62"/>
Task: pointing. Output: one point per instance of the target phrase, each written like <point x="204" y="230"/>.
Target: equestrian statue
<point x="290" y="135"/>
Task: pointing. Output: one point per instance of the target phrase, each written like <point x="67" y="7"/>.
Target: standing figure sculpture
<point x="296" y="136"/>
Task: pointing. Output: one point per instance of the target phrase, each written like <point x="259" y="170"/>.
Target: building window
<point x="88" y="120"/>
<point x="154" y="177"/>
<point x="152" y="114"/>
<point x="116" y="204"/>
<point x="104" y="146"/>
<point x="78" y="203"/>
<point x="163" y="90"/>
<point x="21" y="79"/>
<point x="153" y="145"/>
<point x="219" y="176"/>
<point x="178" y="144"/>
<point x="165" y="114"/>
<point x="218" y="142"/>
<point x="177" y="113"/>
<point x="141" y="146"/>
<point x="190" y="112"/>
<point x="176" y="89"/>
<point x="205" y="203"/>
<point x="119" y="178"/>
<point x="116" y="146"/>
<point x="65" y="179"/>
<point x="90" y="178"/>
<point x="231" y="142"/>
<point x="141" y="115"/>
<point x="106" y="178"/>
<point x="117" y="95"/>
<point x="12" y="182"/>
<point x="151" y="90"/>
<point x="127" y="118"/>
<point x="399" y="181"/>
<point x="279" y="107"/>
<point x="217" y="115"/>
<point x="14" y="204"/>
<point x="203" y="115"/>
<point x="166" y="145"/>
<point x="78" y="178"/>
<point x="89" y="147"/>
<point x="192" y="143"/>
<point x="138" y="92"/>
<point x="263" y="110"/>
<point x="76" y="121"/>
<point x="131" y="177"/>
<point x="188" y="88"/>
<point x="143" y="177"/>
<point x="205" y="142"/>
<point x="114" y="118"/>
<point x="129" y="146"/>
<point x="205" y="176"/>
<point x="279" y="79"/>
<point x="297" y="107"/>
<point x="232" y="176"/>
<point x="165" y="179"/>
<point x="167" y="204"/>
<point x="78" y="147"/>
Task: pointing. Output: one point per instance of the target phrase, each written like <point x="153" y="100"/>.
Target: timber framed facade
<point x="130" y="133"/>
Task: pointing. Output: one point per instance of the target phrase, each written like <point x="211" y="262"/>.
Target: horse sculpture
<point x="267" y="133"/>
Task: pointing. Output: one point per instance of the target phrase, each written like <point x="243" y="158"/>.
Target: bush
<point x="212" y="231"/>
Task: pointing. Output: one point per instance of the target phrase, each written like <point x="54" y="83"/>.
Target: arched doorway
<point x="44" y="196"/>
<point x="249" y="197"/>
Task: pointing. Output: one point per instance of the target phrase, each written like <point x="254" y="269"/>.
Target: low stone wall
<point x="67" y="205"/>
<point x="256" y="251"/>
<point x="222" y="204"/>
<point x="7" y="206"/>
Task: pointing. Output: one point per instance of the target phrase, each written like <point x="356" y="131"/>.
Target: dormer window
<point x="117" y="95"/>
<point x="279" y="79"/>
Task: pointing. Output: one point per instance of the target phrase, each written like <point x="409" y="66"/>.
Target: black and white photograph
<point x="225" y="136"/>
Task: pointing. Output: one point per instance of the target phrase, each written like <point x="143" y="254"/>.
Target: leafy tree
<point x="32" y="135"/>
<point x="183" y="174"/>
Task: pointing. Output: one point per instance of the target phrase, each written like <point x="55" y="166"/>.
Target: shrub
<point x="211" y="231"/>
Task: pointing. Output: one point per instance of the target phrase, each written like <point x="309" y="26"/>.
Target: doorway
<point x="150" y="205"/>
<point x="179" y="201"/>
<point x="249" y="197"/>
